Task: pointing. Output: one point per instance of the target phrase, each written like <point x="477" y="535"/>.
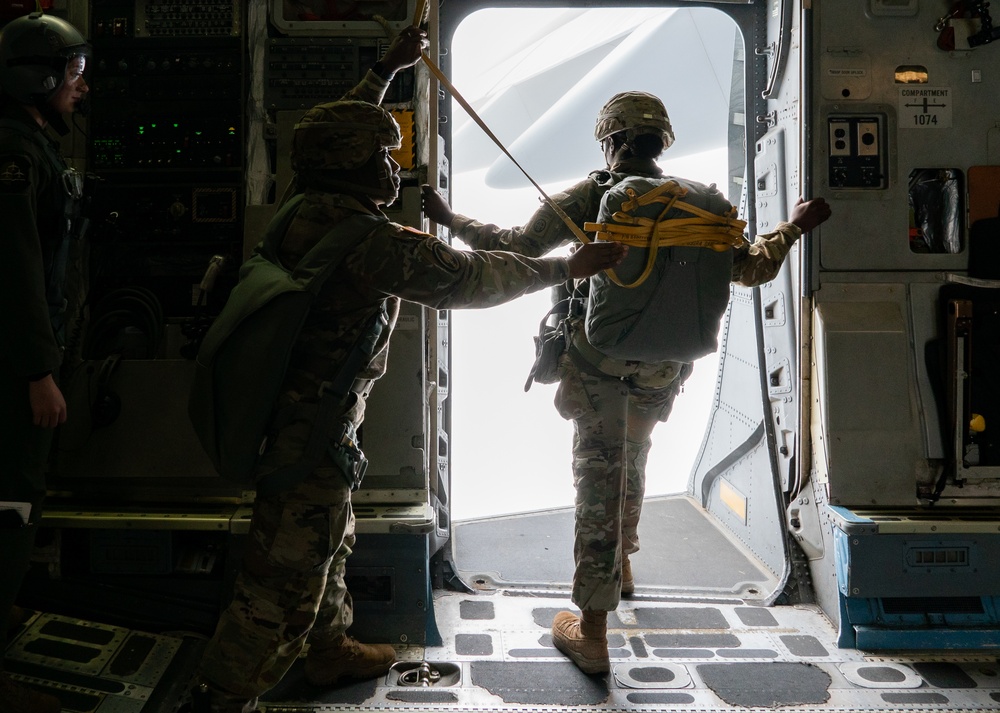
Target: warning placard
<point x="922" y="107"/>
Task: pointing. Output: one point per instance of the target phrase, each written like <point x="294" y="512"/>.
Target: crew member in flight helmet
<point x="35" y="53"/>
<point x="42" y="59"/>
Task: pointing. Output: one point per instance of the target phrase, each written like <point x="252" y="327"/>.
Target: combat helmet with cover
<point x="342" y="135"/>
<point x="635" y="113"/>
<point x="34" y="51"/>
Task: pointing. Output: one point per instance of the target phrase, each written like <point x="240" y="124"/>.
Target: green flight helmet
<point x="34" y="52"/>
<point x="342" y="135"/>
<point x="635" y="113"/>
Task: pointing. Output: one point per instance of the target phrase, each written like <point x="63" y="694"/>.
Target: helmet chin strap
<point x="385" y="193"/>
<point x="350" y="185"/>
<point x="372" y="179"/>
<point x="389" y="193"/>
<point x="613" y="151"/>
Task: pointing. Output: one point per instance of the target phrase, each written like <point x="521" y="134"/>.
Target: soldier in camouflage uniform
<point x="291" y="588"/>
<point x="613" y="404"/>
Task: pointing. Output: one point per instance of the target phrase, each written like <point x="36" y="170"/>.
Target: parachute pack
<point x="666" y="300"/>
<point x="245" y="353"/>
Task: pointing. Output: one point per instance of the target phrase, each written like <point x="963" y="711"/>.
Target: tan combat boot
<point x="19" y="698"/>
<point x="347" y="658"/>
<point x="628" y="583"/>
<point x="584" y="640"/>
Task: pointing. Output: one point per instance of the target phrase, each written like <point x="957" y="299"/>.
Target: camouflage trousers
<point x="290" y="588"/>
<point x="614" y="406"/>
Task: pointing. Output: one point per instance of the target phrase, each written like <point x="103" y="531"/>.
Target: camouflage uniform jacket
<point x="370" y="89"/>
<point x="392" y="263"/>
<point x="753" y="264"/>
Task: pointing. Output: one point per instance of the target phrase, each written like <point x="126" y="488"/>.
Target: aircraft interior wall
<point x="902" y="137"/>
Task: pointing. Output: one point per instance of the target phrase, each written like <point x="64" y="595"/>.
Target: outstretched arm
<point x="760" y="262"/>
<point x="543" y="232"/>
<point x="424" y="269"/>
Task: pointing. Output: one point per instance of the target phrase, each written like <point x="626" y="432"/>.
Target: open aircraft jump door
<point x="748" y="462"/>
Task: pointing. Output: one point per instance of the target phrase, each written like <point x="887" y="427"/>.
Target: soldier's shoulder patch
<point x="15" y="173"/>
<point x="445" y="255"/>
<point x="540" y="226"/>
<point x="601" y="177"/>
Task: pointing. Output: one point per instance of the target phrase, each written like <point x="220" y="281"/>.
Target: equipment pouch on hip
<point x="550" y="344"/>
<point x="346" y="455"/>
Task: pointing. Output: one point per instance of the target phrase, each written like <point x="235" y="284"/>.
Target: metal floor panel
<point x="496" y="655"/>
<point x="535" y="549"/>
<point x="98" y="668"/>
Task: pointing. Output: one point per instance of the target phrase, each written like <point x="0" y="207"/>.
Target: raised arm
<point x="404" y="51"/>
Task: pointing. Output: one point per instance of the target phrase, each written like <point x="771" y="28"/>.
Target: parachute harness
<point x="704" y="230"/>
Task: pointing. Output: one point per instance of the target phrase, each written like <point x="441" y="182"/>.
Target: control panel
<point x="304" y="71"/>
<point x="172" y="20"/>
<point x="167" y="132"/>
<point x="857" y="152"/>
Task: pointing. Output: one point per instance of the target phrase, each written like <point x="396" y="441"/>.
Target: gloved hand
<point x="404" y="51"/>
<point x="436" y="207"/>
<point x="808" y="214"/>
<point x="590" y="259"/>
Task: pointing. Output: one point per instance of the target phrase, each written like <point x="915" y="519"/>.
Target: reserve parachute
<point x="245" y="353"/>
<point x="666" y="300"/>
